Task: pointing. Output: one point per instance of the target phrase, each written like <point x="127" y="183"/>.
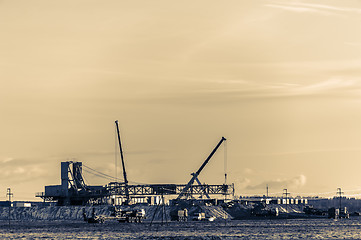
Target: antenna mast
<point x="339" y="192"/>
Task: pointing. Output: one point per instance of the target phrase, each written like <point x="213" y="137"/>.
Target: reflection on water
<point x="245" y="229"/>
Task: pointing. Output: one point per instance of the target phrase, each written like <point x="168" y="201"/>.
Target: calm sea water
<point x="245" y="229"/>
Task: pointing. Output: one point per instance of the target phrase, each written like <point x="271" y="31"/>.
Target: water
<point x="244" y="229"/>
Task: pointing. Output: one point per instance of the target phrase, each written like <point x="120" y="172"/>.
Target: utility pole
<point x="339" y="192"/>
<point x="286" y="194"/>
<point x="164" y="214"/>
<point x="161" y="204"/>
<point x="9" y="194"/>
<point x="267" y="190"/>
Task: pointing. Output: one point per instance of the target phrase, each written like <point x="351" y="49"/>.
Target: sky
<point x="281" y="80"/>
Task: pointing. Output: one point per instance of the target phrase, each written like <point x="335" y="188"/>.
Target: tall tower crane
<point x="196" y="174"/>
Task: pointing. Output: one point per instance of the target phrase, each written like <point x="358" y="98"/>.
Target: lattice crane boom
<point x="196" y="174"/>
<point x="123" y="165"/>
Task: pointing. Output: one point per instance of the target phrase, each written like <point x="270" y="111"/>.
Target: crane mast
<point x="123" y="165"/>
<point x="196" y="174"/>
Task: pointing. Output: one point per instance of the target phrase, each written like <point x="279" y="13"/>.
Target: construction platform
<point x="74" y="191"/>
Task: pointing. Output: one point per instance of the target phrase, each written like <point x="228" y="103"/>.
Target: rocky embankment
<point x="157" y="213"/>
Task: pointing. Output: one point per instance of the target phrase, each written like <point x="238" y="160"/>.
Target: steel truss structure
<point x="170" y="189"/>
<point x="118" y="189"/>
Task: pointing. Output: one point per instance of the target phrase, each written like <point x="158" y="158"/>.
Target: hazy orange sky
<point x="279" y="79"/>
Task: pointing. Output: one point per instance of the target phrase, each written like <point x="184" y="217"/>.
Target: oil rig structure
<point x="74" y="191"/>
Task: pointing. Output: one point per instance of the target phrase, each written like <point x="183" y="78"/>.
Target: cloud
<point x="242" y="183"/>
<point x="248" y="171"/>
<point x="292" y="183"/>
<point x="18" y="174"/>
<point x="313" y="8"/>
<point x="297" y="9"/>
<point x="9" y="159"/>
<point x="17" y="170"/>
<point x="337" y="86"/>
<point x="340" y="86"/>
<point x="327" y="7"/>
<point x="330" y="151"/>
<point x="13" y="161"/>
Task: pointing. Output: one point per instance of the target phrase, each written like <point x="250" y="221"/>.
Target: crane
<point x="124" y="172"/>
<point x="196" y="174"/>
